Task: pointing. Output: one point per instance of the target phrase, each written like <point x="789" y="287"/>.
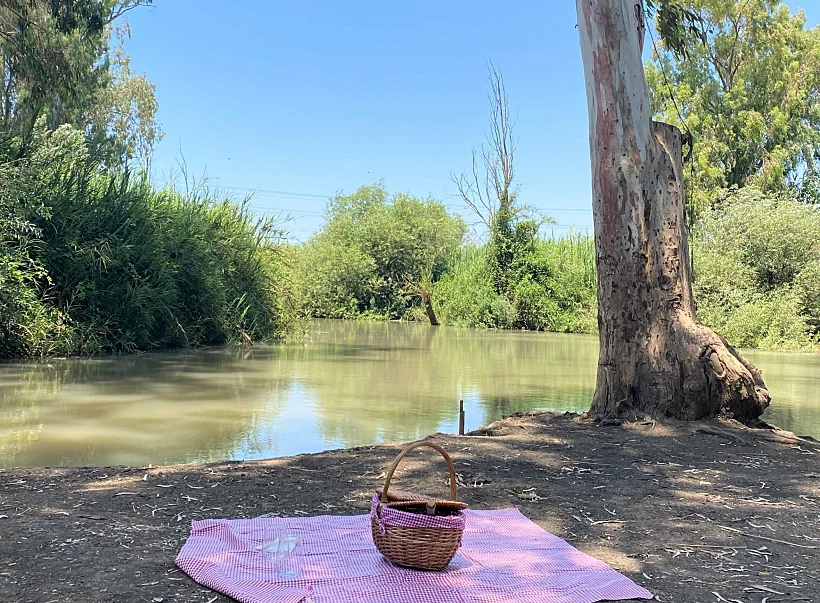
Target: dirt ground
<point x="694" y="512"/>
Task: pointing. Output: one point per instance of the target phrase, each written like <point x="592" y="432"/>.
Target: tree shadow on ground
<point x="690" y="515"/>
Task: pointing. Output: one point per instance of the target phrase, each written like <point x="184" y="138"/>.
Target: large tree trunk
<point x="655" y="357"/>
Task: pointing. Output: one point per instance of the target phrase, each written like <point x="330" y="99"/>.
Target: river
<point x="352" y="383"/>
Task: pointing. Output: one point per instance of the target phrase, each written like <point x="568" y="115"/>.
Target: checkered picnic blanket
<point x="504" y="557"/>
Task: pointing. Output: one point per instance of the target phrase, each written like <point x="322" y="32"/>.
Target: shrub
<point x="465" y="294"/>
<point x="756" y="269"/>
<point x="374" y="251"/>
<point x="553" y="287"/>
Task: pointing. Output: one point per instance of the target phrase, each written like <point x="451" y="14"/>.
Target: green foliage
<point x="757" y="258"/>
<point x="51" y="53"/>
<point x="513" y="236"/>
<point x="771" y="322"/>
<point x="465" y="295"/>
<point x="749" y="90"/>
<point x="56" y="64"/>
<point x="552" y="288"/>
<point x="378" y="256"/>
<point x="807" y="290"/>
<point x="563" y="271"/>
<point x="748" y="87"/>
<point x="123" y="118"/>
<point x="333" y="278"/>
<point x="373" y="249"/>
<point x="757" y="266"/>
<point x="101" y="262"/>
<point x="677" y="24"/>
<point x="29" y="326"/>
<point x="91" y="258"/>
<point x="772" y="234"/>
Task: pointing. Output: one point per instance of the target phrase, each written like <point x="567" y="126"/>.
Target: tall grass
<point x="465" y="294"/>
<point x="116" y="265"/>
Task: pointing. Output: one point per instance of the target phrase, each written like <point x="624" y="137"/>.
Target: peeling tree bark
<point x="655" y="357"/>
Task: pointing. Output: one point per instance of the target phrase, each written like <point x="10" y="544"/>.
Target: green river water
<point x="353" y="383"/>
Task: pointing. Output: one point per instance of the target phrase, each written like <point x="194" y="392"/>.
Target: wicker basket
<point x="405" y="533"/>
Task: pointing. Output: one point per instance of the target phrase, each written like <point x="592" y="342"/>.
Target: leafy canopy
<point x="677" y="24"/>
<point x="56" y="64"/>
<point x="749" y="91"/>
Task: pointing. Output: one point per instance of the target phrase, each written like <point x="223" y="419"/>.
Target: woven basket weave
<point x="411" y="538"/>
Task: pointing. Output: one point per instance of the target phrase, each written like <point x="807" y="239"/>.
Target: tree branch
<point x="125" y="6"/>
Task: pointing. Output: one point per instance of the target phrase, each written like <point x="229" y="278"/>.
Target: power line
<point x="300" y="196"/>
<point x="298" y="214"/>
<point x="272" y="193"/>
<point x="287" y="210"/>
<point x="547" y="209"/>
<point x="375" y="173"/>
<point x="326" y="168"/>
<point x="301" y="213"/>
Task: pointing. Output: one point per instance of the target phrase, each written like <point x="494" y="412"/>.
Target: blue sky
<point x="299" y="100"/>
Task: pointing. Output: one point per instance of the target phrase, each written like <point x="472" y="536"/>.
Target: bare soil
<point x="698" y="512"/>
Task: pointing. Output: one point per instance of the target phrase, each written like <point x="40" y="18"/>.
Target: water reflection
<point x="353" y="384"/>
<point x="133" y="410"/>
<point x="794" y="382"/>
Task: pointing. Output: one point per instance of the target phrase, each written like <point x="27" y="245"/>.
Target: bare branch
<point x="470" y="192"/>
<point x="489" y="187"/>
<point x="502" y="144"/>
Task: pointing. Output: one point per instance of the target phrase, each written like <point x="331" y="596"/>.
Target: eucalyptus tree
<point x="57" y="68"/>
<point x="656" y="358"/>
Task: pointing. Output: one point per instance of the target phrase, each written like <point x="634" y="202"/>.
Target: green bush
<point x="334" y="278"/>
<point x="769" y="322"/>
<point x="757" y="262"/>
<point x="564" y="272"/>
<point x="465" y="295"/>
<point x="535" y="309"/>
<point x="29" y="326"/>
<point x="807" y="288"/>
<point x="553" y="287"/>
<point x="757" y="270"/>
<point x="774" y="235"/>
<point x="375" y="253"/>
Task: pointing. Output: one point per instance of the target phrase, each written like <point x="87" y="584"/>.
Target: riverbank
<point x="687" y="510"/>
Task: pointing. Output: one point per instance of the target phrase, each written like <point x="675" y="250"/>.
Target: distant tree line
<point x="746" y="86"/>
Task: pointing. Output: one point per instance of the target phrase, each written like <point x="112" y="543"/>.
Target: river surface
<point x="353" y="383"/>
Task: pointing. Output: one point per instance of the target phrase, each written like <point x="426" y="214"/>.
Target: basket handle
<point x="407" y="449"/>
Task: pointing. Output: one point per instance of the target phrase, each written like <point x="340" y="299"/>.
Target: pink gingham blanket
<point x="504" y="557"/>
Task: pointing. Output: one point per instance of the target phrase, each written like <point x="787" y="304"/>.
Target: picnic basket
<point x="413" y="530"/>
